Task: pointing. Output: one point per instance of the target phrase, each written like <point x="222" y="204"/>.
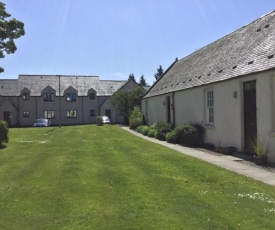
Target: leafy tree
<point x="159" y="73"/>
<point x="142" y="81"/>
<point x="10" y="29"/>
<point x="136" y="118"/>
<point x="4" y="131"/>
<point x="131" y="76"/>
<point x="126" y="100"/>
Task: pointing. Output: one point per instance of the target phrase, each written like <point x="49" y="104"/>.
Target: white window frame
<point x="71" y="97"/>
<point x="48" y="97"/>
<point x="71" y="114"/>
<point x="26" y="114"/>
<point x="209" y="96"/>
<point x="49" y="114"/>
<point x="25" y="96"/>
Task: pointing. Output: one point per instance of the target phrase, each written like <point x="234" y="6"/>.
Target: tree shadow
<point x="2" y="146"/>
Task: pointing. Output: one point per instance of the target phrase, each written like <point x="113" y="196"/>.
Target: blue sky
<point x="114" y="38"/>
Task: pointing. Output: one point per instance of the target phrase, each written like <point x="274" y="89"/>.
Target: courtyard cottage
<point x="227" y="86"/>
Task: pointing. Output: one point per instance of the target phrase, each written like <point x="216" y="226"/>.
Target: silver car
<point x="41" y="122"/>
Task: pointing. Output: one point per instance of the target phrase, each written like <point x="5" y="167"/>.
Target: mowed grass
<point x="91" y="177"/>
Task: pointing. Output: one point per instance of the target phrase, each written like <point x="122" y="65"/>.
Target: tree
<point x="159" y="73"/>
<point x="126" y="100"/>
<point x="9" y="30"/>
<point x="4" y="131"/>
<point x="131" y="77"/>
<point x="142" y="81"/>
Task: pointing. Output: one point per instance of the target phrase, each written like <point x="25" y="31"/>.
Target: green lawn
<point x="91" y="177"/>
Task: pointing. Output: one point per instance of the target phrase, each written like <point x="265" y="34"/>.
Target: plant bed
<point x="229" y="150"/>
<point x="260" y="160"/>
<point x="248" y="156"/>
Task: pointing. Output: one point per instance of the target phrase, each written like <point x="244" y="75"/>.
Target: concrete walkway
<point x="228" y="162"/>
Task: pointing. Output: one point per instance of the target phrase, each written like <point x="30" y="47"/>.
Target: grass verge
<point x="91" y="177"/>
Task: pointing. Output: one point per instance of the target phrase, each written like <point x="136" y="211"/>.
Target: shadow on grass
<point x="2" y="146"/>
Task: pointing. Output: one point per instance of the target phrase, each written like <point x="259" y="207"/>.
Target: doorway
<point x="250" y="114"/>
<point x="7" y="117"/>
<point x="108" y="113"/>
<point x="168" y="109"/>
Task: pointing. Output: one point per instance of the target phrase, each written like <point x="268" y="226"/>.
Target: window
<point x="92" y="96"/>
<point x="25" y="96"/>
<point x="48" y="96"/>
<point x="49" y="114"/>
<point x="71" y="113"/>
<point x="71" y="97"/>
<point x="210" y="107"/>
<point x="26" y="114"/>
<point x="92" y="113"/>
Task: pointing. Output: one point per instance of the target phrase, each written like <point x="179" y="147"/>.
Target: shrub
<point x="136" y="118"/>
<point x="152" y="132"/>
<point x="162" y="128"/>
<point x="154" y="126"/>
<point x="171" y="137"/>
<point x="160" y="136"/>
<point x="190" y="135"/>
<point x="4" y="131"/>
<point x="99" y="121"/>
<point x="145" y="130"/>
<point x="200" y="134"/>
<point x="139" y="128"/>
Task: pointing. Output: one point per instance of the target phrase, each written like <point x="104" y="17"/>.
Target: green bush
<point x="162" y="128"/>
<point x="136" y="118"/>
<point x="191" y="135"/>
<point x="139" y="128"/>
<point x="160" y="136"/>
<point x="154" y="126"/>
<point x="152" y="132"/>
<point x="4" y="131"/>
<point x="199" y="138"/>
<point x="145" y="130"/>
<point x="171" y="137"/>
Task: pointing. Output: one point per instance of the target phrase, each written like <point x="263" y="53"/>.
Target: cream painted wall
<point x="227" y="130"/>
<point x="156" y="109"/>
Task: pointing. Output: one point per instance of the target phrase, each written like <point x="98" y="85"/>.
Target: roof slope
<point x="247" y="50"/>
<point x="36" y="83"/>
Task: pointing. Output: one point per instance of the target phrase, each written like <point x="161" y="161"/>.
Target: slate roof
<point x="36" y="83"/>
<point x="247" y="50"/>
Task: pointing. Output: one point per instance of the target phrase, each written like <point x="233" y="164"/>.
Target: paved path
<point x="228" y="162"/>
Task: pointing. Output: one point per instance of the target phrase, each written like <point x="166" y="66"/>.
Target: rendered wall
<point x="228" y="127"/>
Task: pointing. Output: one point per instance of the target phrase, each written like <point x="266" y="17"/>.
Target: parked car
<point x="41" y="122"/>
<point x="104" y="119"/>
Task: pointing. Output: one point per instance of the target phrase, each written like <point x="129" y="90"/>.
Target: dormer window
<point x="92" y="96"/>
<point x="70" y="97"/>
<point x="25" y="96"/>
<point x="48" y="97"/>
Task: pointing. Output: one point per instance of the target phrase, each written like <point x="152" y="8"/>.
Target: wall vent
<point x="220" y="71"/>
<point x="234" y="67"/>
<point x="270" y="56"/>
<point x="251" y="62"/>
<point x="266" y="26"/>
